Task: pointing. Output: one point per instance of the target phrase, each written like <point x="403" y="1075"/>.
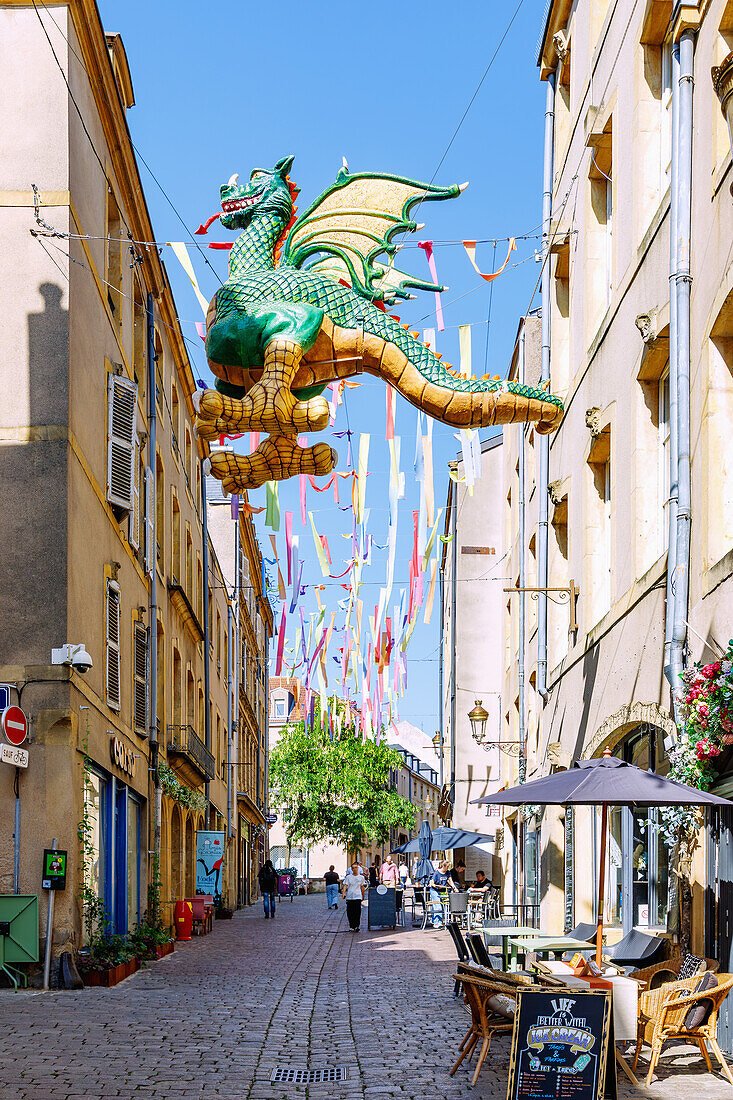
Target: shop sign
<point x="209" y="861"/>
<point x="123" y="757"/>
<point x="271" y="819"/>
<point x="562" y="1046"/>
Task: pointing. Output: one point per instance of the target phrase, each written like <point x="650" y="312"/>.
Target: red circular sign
<point x="15" y="725"/>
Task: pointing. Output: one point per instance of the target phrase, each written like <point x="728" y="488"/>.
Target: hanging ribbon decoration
<point x="181" y="253"/>
<point x="427" y="247"/>
<point x="272" y="517"/>
<point x="464" y="344"/>
<point x="470" y="247"/>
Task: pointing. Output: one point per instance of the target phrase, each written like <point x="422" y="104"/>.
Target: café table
<point x="509" y="953"/>
<point x="542" y="944"/>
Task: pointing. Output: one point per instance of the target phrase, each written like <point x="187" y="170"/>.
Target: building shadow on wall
<point x="48" y="359"/>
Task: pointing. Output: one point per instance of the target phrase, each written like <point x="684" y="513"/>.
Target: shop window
<point x="140" y="678"/>
<point x="133" y="861"/>
<point x="95" y="807"/>
<point x="637" y="885"/>
<point x="112" y="645"/>
<point x="190" y="857"/>
<point x="599" y="526"/>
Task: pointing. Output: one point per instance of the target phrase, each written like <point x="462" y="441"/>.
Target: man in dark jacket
<point x="331" y="879"/>
<point x="267" y="879"/>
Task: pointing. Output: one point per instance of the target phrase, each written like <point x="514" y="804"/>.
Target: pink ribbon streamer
<point x="254" y="441"/>
<point x="281" y="643"/>
<point x="390" y="412"/>
<point x="201" y="329"/>
<point x="288" y="538"/>
<point x="427" y="247"/>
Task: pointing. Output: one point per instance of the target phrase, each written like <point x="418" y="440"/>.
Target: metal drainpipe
<point x="153" y="615"/>
<point x="673" y="447"/>
<point x="454" y="564"/>
<point x="683" y="282"/>
<point x="207" y="653"/>
<point x="544" y="440"/>
<point x="522" y="584"/>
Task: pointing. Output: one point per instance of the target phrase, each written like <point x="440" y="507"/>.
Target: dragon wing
<point x="354" y="221"/>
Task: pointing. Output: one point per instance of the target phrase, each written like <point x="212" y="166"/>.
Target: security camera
<point x="74" y="655"/>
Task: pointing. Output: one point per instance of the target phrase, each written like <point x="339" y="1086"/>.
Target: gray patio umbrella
<point x="604" y="781"/>
<point x="445" y="838"/>
<point x="424" y="847"/>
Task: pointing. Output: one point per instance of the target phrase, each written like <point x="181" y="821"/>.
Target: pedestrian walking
<point x="353" y="893"/>
<point x="389" y="875"/>
<point x="404" y="872"/>
<point x="374" y="874"/>
<point x="267" y="879"/>
<point x="331" y="879"/>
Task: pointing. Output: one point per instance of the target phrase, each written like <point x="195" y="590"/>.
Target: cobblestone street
<point x="219" y="1015"/>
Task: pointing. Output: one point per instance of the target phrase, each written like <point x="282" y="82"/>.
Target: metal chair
<point x="477" y="947"/>
<point x="461" y="950"/>
<point x="458" y="905"/>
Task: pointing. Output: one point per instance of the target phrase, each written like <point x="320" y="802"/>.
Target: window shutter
<point x="121" y="415"/>
<point x="149" y="521"/>
<point x="133" y="519"/>
<point x="140" y="679"/>
<point x="113" y="645"/>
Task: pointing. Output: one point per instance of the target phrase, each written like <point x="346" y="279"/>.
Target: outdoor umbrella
<point x="444" y="839"/>
<point x="603" y="781"/>
<point x="424" y="847"/>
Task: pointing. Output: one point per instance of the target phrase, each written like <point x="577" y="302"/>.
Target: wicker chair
<point x="668" y="1008"/>
<point x="651" y="998"/>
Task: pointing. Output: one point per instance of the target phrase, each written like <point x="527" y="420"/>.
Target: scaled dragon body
<point x="306" y="303"/>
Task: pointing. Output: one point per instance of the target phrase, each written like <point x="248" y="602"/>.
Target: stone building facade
<point x="101" y="500"/>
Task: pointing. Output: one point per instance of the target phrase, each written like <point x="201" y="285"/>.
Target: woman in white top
<point x="353" y="893"/>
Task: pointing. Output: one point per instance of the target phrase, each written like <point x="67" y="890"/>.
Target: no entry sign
<point x="15" y="725"/>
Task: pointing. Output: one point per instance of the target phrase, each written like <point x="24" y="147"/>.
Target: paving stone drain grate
<point x="299" y="1076"/>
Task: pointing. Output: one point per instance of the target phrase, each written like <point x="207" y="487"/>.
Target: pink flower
<point x="703" y="710"/>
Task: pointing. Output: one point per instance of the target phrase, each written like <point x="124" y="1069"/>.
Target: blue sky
<point x="226" y="88"/>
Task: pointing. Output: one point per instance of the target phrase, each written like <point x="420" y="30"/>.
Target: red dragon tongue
<point x="202" y="229"/>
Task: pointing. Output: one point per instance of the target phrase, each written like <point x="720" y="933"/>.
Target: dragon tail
<point x="398" y="357"/>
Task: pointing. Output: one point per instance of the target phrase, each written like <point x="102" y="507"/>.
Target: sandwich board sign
<point x="562" y="1046"/>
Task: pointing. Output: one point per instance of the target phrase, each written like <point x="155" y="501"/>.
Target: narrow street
<point x="223" y="1012"/>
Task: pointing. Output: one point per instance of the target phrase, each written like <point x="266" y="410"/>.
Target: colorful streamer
<point x="470" y="247"/>
<point x="427" y="247"/>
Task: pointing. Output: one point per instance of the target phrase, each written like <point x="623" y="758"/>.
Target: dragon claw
<point x="277" y="457"/>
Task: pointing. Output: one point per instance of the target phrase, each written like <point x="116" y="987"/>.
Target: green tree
<point x="336" y="788"/>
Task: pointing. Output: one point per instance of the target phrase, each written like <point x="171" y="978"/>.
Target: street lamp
<point x="723" y="83"/>
<point x="478" y="718"/>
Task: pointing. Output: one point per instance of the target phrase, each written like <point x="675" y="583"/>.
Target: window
<point x="160" y="716"/>
<point x="139" y="339"/>
<point x="189" y="468"/>
<point x="557" y="614"/>
<point x="133" y="518"/>
<point x="665" y="113"/>
<point x="281" y="708"/>
<point x="190" y="698"/>
<point x="637" y="886"/>
<point x="113" y="265"/>
<point x="159" y="511"/>
<point x="121" y="440"/>
<point x="718" y="438"/>
<point x="149" y="521"/>
<point x="199" y="590"/>
<point x="133" y="861"/>
<point x="177" y="700"/>
<point x="175" y="539"/>
<point x="112" y="645"/>
<point x="159" y="368"/>
<point x="175" y="421"/>
<point x="652" y="456"/>
<point x="598" y="525"/>
<point x="140" y="678"/>
<point x="189" y="564"/>
<point x="599" y="238"/>
<point x="95" y="805"/>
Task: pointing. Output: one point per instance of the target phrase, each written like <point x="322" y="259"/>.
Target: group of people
<point x="388" y="873"/>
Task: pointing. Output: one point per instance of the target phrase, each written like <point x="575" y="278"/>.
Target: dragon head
<point x="268" y="192"/>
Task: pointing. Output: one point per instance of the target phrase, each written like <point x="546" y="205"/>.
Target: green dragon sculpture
<point x="305" y="304"/>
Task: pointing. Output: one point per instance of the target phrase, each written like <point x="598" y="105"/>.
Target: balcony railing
<point x="185" y="741"/>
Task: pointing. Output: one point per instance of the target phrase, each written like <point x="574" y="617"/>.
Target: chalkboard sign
<point x="562" y="1046"/>
<point x="382" y="911"/>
